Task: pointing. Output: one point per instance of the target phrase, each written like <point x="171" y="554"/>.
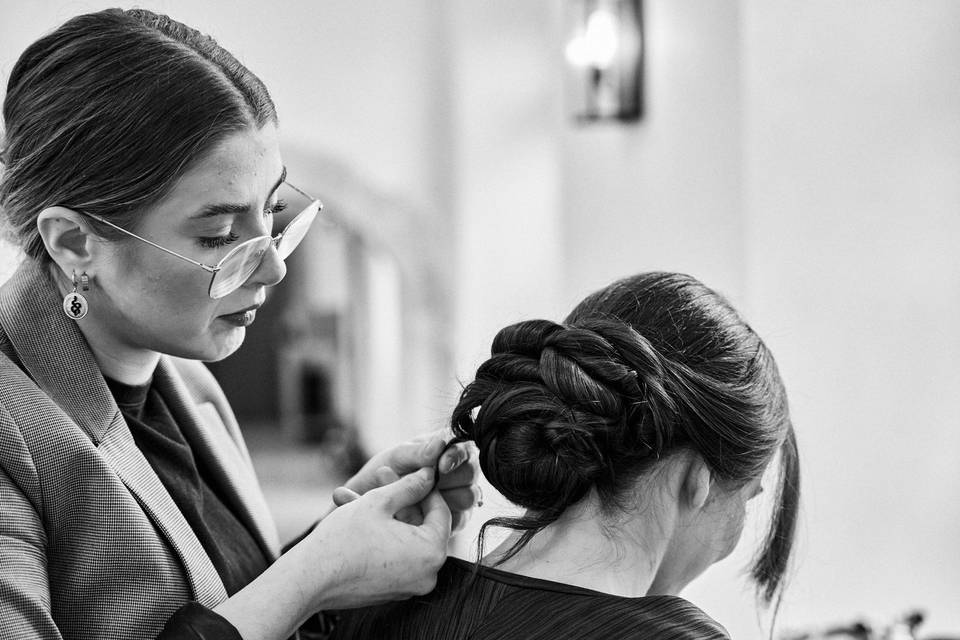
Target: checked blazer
<point x="92" y="546"/>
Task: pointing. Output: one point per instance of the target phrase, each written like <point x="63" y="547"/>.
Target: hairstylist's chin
<point x="226" y="338"/>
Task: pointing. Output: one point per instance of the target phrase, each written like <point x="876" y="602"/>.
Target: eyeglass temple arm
<point x="301" y="192"/>
<point x="203" y="266"/>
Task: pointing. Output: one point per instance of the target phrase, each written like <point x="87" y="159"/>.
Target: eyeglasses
<point x="233" y="270"/>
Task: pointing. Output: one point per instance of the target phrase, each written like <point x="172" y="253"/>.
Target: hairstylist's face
<point x="145" y="299"/>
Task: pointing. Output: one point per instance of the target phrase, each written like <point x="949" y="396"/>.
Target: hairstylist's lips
<point x="242" y="318"/>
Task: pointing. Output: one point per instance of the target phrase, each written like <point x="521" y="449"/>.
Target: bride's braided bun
<point x="565" y="408"/>
<point x="648" y="366"/>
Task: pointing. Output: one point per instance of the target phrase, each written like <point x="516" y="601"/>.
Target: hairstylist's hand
<point x="375" y="557"/>
<point x="358" y="555"/>
<point x="458" y="474"/>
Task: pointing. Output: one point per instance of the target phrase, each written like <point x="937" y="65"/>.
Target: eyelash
<point x="220" y="241"/>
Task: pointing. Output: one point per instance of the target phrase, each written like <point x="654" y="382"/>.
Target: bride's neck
<point x="584" y="548"/>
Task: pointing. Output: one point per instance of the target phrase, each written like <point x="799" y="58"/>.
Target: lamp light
<point x="605" y="56"/>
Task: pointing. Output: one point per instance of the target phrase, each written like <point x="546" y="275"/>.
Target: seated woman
<point x="633" y="434"/>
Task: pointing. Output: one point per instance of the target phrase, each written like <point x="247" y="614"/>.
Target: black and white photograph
<point x="480" y="320"/>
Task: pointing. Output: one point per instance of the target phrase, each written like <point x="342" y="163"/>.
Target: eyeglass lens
<point x="238" y="266"/>
<point x="296" y="231"/>
<point x="240" y="263"/>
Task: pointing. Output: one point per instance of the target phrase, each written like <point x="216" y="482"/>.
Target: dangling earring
<point x="74" y="304"/>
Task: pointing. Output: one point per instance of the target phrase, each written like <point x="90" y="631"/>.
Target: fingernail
<point x="459" y="460"/>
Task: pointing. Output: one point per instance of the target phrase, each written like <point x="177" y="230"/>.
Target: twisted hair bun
<point x="563" y="408"/>
<point x="649" y="365"/>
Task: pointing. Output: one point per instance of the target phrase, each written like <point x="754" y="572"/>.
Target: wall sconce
<point x="605" y="55"/>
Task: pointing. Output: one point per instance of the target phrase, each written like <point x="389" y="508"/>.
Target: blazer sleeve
<point x="24" y="590"/>
<point x="25" y="602"/>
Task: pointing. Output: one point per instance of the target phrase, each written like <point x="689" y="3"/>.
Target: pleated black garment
<point x="496" y="605"/>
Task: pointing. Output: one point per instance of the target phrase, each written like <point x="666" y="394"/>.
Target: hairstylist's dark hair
<point x="650" y="365"/>
<point x="104" y="115"/>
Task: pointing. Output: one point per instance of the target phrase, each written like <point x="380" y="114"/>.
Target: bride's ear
<point x="696" y="482"/>
<point x="68" y="238"/>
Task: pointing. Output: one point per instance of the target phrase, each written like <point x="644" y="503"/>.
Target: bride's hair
<point x="650" y="365"/>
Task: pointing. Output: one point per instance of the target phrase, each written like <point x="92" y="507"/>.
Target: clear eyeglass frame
<point x="239" y="264"/>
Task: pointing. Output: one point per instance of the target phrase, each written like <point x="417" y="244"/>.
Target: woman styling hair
<point x="141" y="174"/>
<point x="633" y="434"/>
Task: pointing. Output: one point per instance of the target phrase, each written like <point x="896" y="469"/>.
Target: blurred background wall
<point x="802" y="157"/>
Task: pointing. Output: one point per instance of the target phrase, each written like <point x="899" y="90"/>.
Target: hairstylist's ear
<point x="695" y="489"/>
<point x="67" y="237"/>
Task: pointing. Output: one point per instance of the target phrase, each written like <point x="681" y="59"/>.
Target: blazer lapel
<point x="55" y="354"/>
<point x="210" y="440"/>
<point x="121" y="452"/>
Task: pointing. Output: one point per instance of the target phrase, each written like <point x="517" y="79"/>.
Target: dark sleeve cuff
<point x="194" y="621"/>
<point x="318" y="626"/>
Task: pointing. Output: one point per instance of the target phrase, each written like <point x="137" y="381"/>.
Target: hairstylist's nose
<point x="271" y="269"/>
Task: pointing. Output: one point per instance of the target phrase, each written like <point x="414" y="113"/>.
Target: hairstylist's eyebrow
<point x="225" y="209"/>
